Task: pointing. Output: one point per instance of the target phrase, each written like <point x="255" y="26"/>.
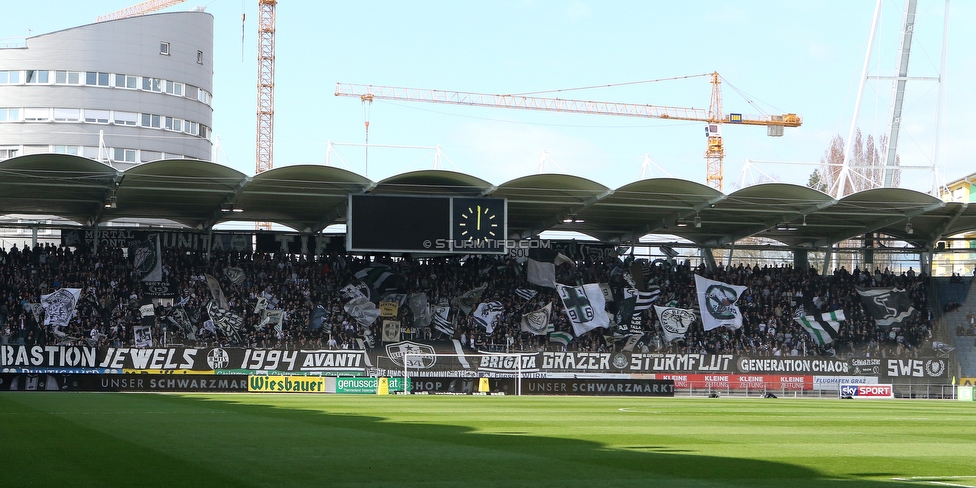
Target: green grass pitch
<point x="212" y="440"/>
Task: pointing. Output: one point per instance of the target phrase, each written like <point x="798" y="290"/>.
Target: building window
<point x="203" y="96"/>
<point x="174" y="88"/>
<point x="178" y="125"/>
<point x="74" y="150"/>
<point x="128" y="155"/>
<point x="37" y="76"/>
<point x="152" y="84"/>
<point x="126" y="81"/>
<point x="9" y="115"/>
<point x="164" y="48"/>
<point x="37" y="114"/>
<point x="96" y="116"/>
<point x="9" y="77"/>
<point x="126" y="118"/>
<point x="96" y="78"/>
<point x="67" y="114"/>
<point x="199" y="57"/>
<point x="67" y="77"/>
<point x="8" y="153"/>
<point x="150" y="120"/>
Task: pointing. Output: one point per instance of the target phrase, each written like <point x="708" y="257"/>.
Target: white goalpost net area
<point x="452" y="373"/>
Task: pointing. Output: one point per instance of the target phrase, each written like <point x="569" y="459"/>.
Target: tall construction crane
<point x="143" y="8"/>
<point x="266" y="72"/>
<point x="264" y="147"/>
<point x="713" y="117"/>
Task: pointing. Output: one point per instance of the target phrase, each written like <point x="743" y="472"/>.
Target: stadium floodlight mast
<point x="469" y="363"/>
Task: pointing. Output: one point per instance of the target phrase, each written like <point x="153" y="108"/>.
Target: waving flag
<point x="585" y="306"/>
<point x="537" y="323"/>
<point x="148" y="260"/>
<point x="823" y="327"/>
<point x="887" y="306"/>
<point x="674" y="321"/>
<point x="716" y="301"/>
<point x="486" y="313"/>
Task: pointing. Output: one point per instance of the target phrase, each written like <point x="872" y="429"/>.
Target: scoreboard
<point x="430" y="225"/>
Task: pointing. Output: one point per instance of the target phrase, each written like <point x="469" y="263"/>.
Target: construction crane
<point x="713" y="117"/>
<point x="139" y="9"/>
<point x="264" y="147"/>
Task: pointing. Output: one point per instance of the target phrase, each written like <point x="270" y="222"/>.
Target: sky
<point x="774" y="57"/>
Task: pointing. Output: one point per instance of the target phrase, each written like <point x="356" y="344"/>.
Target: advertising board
<point x="121" y="382"/>
<point x="285" y="384"/>
<point x="866" y="391"/>
<point x="598" y="387"/>
<point x="739" y="381"/>
<point x="368" y="386"/>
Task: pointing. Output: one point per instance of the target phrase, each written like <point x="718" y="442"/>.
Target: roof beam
<point x="546" y="224"/>
<point x="231" y="198"/>
<point x="662" y="223"/>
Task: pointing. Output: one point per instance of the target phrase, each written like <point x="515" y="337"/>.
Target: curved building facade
<point x="123" y="92"/>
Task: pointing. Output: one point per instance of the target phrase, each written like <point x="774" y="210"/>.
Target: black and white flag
<point x="526" y="293"/>
<point x="59" y="306"/>
<point x="235" y="275"/>
<point x="674" y="321"/>
<point x="537" y="323"/>
<point x="644" y="301"/>
<point x="716" y="301"/>
<point x="142" y="336"/>
<point x="274" y="318"/>
<point x="469" y="300"/>
<point x="379" y="279"/>
<point x="624" y="303"/>
<point x="540" y="273"/>
<point x="391" y="331"/>
<point x="261" y="305"/>
<point x="181" y="319"/>
<point x="349" y="292"/>
<point x="363" y="310"/>
<point x="216" y="293"/>
<point x="440" y="318"/>
<point x="824" y="328"/>
<point x="585" y="306"/>
<point x="148" y="260"/>
<point x="631" y="341"/>
<point x="486" y="314"/>
<point x="420" y="309"/>
<point x="887" y="306"/>
<point x="229" y="323"/>
<point x="318" y="317"/>
<point x="36" y="310"/>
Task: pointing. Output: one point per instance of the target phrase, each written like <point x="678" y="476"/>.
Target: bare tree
<point x="866" y="172"/>
<point x="866" y="165"/>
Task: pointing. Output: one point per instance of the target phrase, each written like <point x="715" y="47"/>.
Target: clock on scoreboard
<point x="479" y="225"/>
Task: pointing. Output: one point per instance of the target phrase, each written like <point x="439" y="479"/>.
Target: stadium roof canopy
<point x="308" y="198"/>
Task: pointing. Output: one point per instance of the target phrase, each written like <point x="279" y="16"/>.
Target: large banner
<point x="180" y="359"/>
<point x="174" y="239"/>
<point x="315" y="245"/>
<point x="422" y="361"/>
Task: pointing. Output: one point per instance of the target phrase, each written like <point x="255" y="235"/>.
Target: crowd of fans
<point x="108" y="309"/>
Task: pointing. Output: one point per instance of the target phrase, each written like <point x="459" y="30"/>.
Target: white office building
<point x="123" y="92"/>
